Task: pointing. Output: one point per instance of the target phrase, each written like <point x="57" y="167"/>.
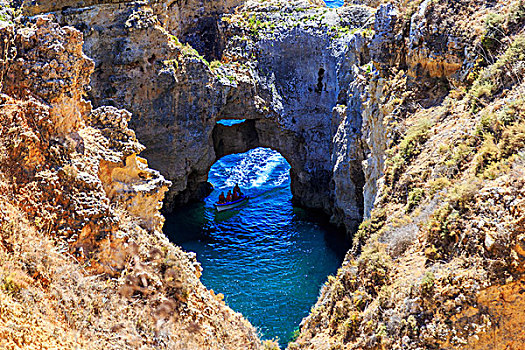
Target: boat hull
<point x="231" y="205"/>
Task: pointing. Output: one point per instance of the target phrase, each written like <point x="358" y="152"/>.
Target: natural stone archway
<point x="240" y="138"/>
<point x="310" y="186"/>
<point x="291" y="85"/>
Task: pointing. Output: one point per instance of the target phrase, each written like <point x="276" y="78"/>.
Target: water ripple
<point x="267" y="257"/>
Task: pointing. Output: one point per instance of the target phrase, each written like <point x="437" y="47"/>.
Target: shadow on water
<point x="335" y="238"/>
<point x="267" y="257"/>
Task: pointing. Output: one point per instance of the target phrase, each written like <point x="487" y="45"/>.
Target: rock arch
<point x="295" y="96"/>
<point x="310" y="186"/>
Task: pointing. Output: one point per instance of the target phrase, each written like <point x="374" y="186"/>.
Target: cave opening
<point x="320" y="77"/>
<point x="268" y="257"/>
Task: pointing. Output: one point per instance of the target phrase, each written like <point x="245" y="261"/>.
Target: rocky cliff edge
<point x="83" y="263"/>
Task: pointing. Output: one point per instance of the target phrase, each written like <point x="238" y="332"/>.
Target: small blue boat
<point x="231" y="205"/>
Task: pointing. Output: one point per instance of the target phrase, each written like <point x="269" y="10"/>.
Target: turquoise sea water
<point x="267" y="257"/>
<point x="334" y="3"/>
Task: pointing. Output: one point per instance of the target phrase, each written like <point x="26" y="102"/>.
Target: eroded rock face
<point x="426" y="266"/>
<point x="169" y="90"/>
<point x="51" y="64"/>
<point x="302" y="88"/>
<point x="80" y="229"/>
<point x="176" y="98"/>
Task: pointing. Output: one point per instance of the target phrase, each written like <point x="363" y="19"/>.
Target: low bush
<point x="489" y="124"/>
<point x="512" y="140"/>
<point x="414" y="197"/>
<point x="458" y="157"/>
<point x="415" y="136"/>
<point x="442" y="231"/>
<point x="487" y="154"/>
<point x="368" y="227"/>
<point x="271" y="344"/>
<point x="352" y="324"/>
<point x="463" y="193"/>
<point x="427" y="284"/>
<point x="505" y="72"/>
<point x="408" y="148"/>
<point x="497" y="169"/>
<point x="374" y="266"/>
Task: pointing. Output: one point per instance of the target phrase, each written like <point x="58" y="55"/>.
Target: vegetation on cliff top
<point x="447" y="232"/>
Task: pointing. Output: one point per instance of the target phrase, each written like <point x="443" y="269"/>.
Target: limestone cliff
<point x="439" y="264"/>
<point x="83" y="263"/>
<point x="263" y="74"/>
<point x="407" y="114"/>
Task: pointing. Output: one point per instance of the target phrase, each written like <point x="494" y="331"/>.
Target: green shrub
<point x="497" y="169"/>
<point x="487" y="154"/>
<point x="463" y="194"/>
<point x="352" y="324"/>
<point x="482" y="90"/>
<point x="372" y="225"/>
<point x="10" y="285"/>
<point x="504" y="72"/>
<point x="427" y="284"/>
<point x="215" y="64"/>
<point x="414" y="197"/>
<point x="374" y="266"/>
<point x="512" y="140"/>
<point x="502" y="138"/>
<point x="394" y="166"/>
<point x="175" y="39"/>
<point x="459" y="156"/>
<point x="416" y="135"/>
<point x="438" y="184"/>
<point x="512" y="111"/>
<point x="412" y="323"/>
<point x="489" y="124"/>
<point x="494" y="31"/>
<point x="442" y="233"/>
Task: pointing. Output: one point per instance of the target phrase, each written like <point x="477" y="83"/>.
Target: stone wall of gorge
<point x="83" y="260"/>
<point x="176" y="96"/>
<point x="439" y="264"/>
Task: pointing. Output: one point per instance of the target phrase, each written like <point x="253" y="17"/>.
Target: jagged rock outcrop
<point x="425" y="268"/>
<point x="176" y="98"/>
<point x="402" y="114"/>
<point x="83" y="263"/>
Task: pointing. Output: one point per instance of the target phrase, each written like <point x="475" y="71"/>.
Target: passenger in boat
<point x="237" y="192"/>
<point x="229" y="196"/>
<point x="222" y="199"/>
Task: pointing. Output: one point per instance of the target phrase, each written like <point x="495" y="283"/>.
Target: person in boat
<point x="222" y="198"/>
<point x="229" y="196"/>
<point x="237" y="192"/>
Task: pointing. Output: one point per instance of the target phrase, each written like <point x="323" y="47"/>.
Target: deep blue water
<point x="267" y="257"/>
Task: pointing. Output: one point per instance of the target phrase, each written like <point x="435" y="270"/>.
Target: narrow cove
<point x="267" y="257"/>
